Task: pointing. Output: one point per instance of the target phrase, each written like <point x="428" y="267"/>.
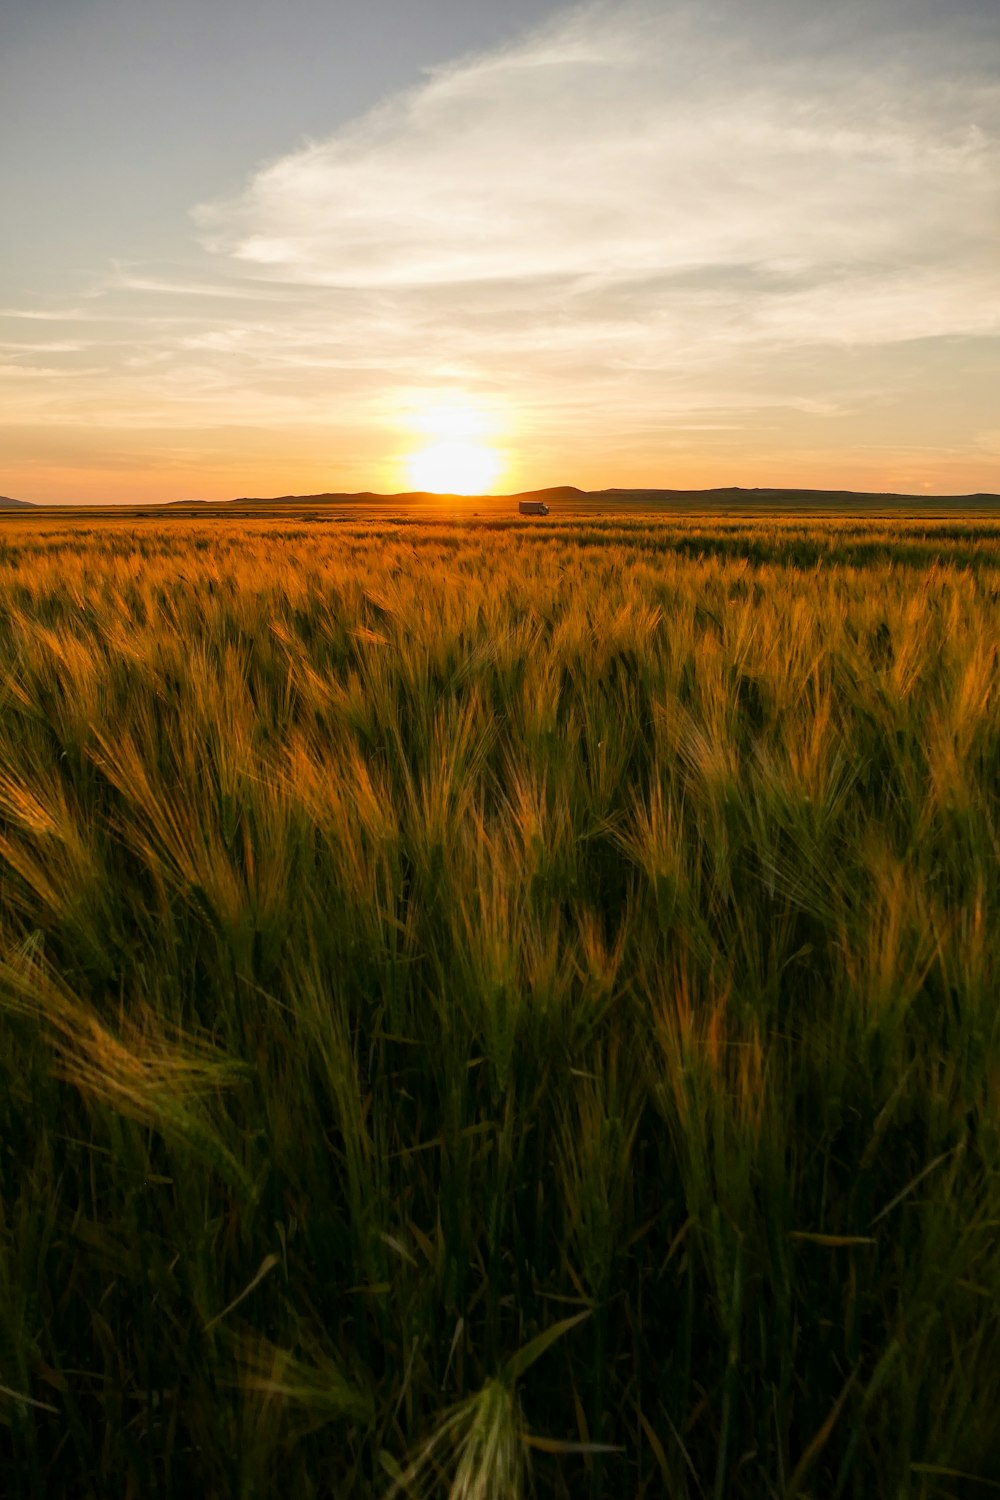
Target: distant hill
<point x="732" y="497"/>
<point x="737" y="496"/>
<point x="719" y="499"/>
<point x="404" y="497"/>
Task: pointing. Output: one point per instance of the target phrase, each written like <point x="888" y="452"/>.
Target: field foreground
<point x="499" y="1006"/>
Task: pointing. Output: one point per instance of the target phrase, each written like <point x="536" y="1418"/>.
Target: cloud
<point x="654" y="180"/>
<point x="8" y="346"/>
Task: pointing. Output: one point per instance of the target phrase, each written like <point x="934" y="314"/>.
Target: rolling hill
<point x="732" y="497"/>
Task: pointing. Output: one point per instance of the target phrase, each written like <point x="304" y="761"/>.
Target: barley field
<point x="494" y="1009"/>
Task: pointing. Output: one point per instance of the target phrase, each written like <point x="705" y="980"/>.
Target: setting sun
<point x="454" y="468"/>
<point x="459" y="460"/>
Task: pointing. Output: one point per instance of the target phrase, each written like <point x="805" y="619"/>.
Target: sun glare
<point x="458" y="459"/>
<point x="454" y="468"/>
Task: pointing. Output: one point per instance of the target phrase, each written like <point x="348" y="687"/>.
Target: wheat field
<point x="497" y="1009"/>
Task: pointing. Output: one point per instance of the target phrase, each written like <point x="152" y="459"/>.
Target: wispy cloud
<point x="46" y="315"/>
<point x="52" y="346"/>
<point x="674" y="173"/>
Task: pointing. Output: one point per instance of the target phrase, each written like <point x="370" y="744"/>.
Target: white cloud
<point x="8" y="346"/>
<point x="739" y="190"/>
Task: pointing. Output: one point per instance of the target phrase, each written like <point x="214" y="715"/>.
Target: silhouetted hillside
<point x="367" y="497"/>
<point x="732" y="497"/>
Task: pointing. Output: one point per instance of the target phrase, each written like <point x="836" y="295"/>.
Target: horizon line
<point x="567" y="490"/>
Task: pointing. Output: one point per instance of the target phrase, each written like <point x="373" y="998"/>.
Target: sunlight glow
<point x="454" y="468"/>
<point x="452" y="419"/>
<point x="457" y="456"/>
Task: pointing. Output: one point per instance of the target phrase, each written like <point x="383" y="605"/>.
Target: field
<point x="493" y="1008"/>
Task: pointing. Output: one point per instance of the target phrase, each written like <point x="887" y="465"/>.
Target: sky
<point x="257" y="249"/>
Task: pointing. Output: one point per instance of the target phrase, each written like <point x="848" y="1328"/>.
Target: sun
<point x="459" y="460"/>
<point x="454" y="468"/>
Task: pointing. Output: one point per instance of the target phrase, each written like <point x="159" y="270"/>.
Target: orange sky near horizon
<point x="286" y="471"/>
